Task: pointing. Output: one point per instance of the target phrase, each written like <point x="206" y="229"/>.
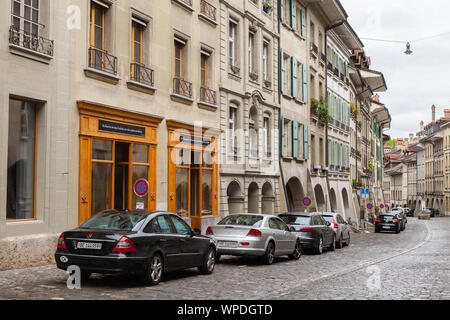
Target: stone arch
<point x="345" y="202"/>
<point x="253" y="198"/>
<point x="235" y="198"/>
<point x="268" y="198"/>
<point x="333" y="200"/>
<point x="295" y="195"/>
<point x="320" y="198"/>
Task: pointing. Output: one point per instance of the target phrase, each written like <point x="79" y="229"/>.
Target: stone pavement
<point x="414" y="264"/>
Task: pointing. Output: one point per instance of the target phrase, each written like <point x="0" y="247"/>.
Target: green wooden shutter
<point x="295" y="153"/>
<point x="293" y="15"/>
<point x="283" y="71"/>
<point x="294" y="81"/>
<point x="303" y="16"/>
<point x="305" y="142"/>
<point x="282" y="151"/>
<point x="305" y="83"/>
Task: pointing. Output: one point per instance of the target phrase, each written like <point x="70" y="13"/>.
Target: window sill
<point x="140" y="87"/>
<point x="236" y="77"/>
<point x="183" y="5"/>
<point x="101" y="75"/>
<point x="30" y="54"/>
<point x="299" y="101"/>
<point x="207" y="106"/>
<point x="207" y="19"/>
<point x="182" y="99"/>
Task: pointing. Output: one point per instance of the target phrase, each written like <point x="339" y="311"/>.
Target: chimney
<point x="433" y="113"/>
<point x="421" y="125"/>
<point x="447" y="113"/>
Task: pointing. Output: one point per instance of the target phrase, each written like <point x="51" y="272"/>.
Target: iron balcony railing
<point x="323" y="57"/>
<point x="330" y="66"/>
<point x="314" y="48"/>
<point x="208" y="10"/>
<point x="140" y="73"/>
<point x="342" y="77"/>
<point x="186" y="2"/>
<point x="207" y="95"/>
<point x="30" y="41"/>
<point x="102" y="60"/>
<point x="182" y="87"/>
<point x="336" y="72"/>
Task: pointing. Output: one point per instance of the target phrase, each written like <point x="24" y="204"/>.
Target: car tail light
<point x="335" y="224"/>
<point x="124" y="245"/>
<point x="378" y="220"/>
<point x="62" y="242"/>
<point x="307" y="230"/>
<point x="394" y="221"/>
<point x="209" y="231"/>
<point x="245" y="244"/>
<point x="254" y="233"/>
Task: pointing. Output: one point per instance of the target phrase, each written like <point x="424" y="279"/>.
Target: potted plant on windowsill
<point x="314" y="106"/>
<point x="267" y="7"/>
<point x="323" y="112"/>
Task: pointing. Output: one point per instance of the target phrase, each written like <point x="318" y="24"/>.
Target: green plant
<point x="370" y="166"/>
<point x="360" y="123"/>
<point x="323" y="112"/>
<point x="314" y="105"/>
<point x="267" y="7"/>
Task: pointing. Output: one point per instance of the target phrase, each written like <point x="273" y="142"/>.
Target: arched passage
<point x="320" y="198"/>
<point x="333" y="200"/>
<point x="267" y="199"/>
<point x="295" y="195"/>
<point x="235" y="198"/>
<point x="253" y="198"/>
<point x="346" y="202"/>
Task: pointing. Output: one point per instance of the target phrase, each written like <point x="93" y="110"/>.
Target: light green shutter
<point x="306" y="142"/>
<point x="282" y="151"/>
<point x="305" y="83"/>
<point x="303" y="16"/>
<point x="295" y="139"/>
<point x="294" y="81"/>
<point x="293" y="15"/>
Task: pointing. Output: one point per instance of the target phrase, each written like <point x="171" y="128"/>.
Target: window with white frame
<point x="265" y="58"/>
<point x="25" y="16"/>
<point x="232" y="125"/>
<point x="251" y="51"/>
<point x="267" y="143"/>
<point x="232" y="41"/>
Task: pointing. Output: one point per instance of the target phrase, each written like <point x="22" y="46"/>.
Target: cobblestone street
<point x="412" y="265"/>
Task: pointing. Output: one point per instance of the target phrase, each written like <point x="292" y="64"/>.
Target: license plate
<point x="228" y="244"/>
<point x="89" y="245"/>
<point x="386" y="227"/>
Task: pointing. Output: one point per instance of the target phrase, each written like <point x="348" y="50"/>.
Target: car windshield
<point x="296" y="220"/>
<point x="242" y="220"/>
<point x="115" y="221"/>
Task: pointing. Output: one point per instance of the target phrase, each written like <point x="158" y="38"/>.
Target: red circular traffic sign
<point x="307" y="201"/>
<point x="141" y="188"/>
<point x="369" y="206"/>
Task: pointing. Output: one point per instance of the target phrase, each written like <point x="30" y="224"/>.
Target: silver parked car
<point x="265" y="236"/>
<point x="340" y="227"/>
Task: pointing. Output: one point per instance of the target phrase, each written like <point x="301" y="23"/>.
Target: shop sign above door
<point x="195" y="140"/>
<point x="122" y="128"/>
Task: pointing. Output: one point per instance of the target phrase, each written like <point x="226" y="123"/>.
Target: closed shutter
<point x="295" y="153"/>
<point x="283" y="72"/>
<point x="293" y="15"/>
<point x="294" y="80"/>
<point x="282" y="133"/>
<point x="305" y="142"/>
<point x="303" y="16"/>
<point x="305" y="83"/>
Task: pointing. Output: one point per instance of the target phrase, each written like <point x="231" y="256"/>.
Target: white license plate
<point x="228" y="244"/>
<point x="386" y="227"/>
<point x="89" y="245"/>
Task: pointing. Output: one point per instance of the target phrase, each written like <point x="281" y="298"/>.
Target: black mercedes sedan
<point x="147" y="244"/>
<point x="390" y="221"/>
<point x="313" y="230"/>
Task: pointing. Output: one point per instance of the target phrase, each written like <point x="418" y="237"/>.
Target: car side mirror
<point x="196" y="232"/>
<point x="291" y="229"/>
<point x="346" y="223"/>
<point x="328" y="223"/>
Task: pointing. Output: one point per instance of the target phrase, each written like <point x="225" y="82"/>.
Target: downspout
<point x="328" y="28"/>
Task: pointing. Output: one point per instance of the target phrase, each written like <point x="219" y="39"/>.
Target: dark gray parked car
<point x="314" y="232"/>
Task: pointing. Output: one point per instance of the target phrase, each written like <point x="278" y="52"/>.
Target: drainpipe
<point x="328" y="28"/>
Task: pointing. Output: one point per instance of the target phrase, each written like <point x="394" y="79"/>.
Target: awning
<point x="374" y="79"/>
<point x="347" y="35"/>
<point x="381" y="115"/>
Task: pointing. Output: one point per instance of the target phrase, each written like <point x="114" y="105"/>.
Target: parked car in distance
<point x="402" y="213"/>
<point x="147" y="244"/>
<point x="314" y="231"/>
<point x="390" y="221"/>
<point x="424" y="214"/>
<point x="432" y="212"/>
<point x="260" y="235"/>
<point x="340" y="228"/>
<point x="409" y="212"/>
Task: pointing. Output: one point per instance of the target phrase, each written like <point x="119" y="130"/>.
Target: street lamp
<point x="408" y="49"/>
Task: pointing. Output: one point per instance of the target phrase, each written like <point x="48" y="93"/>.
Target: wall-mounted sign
<point x="122" y="128"/>
<point x="185" y="138"/>
<point x="381" y="206"/>
<point x="307" y="202"/>
<point x="141" y="188"/>
<point x="369" y="206"/>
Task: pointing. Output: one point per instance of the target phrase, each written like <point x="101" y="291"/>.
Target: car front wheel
<point x="209" y="262"/>
<point x="332" y="247"/>
<point x="339" y="244"/>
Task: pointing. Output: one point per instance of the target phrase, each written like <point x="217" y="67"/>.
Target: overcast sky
<point x="415" y="82"/>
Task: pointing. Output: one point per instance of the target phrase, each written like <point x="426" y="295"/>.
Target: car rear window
<point x="242" y="220"/>
<point x="115" y="221"/>
<point x="387" y="217"/>
<point x="296" y="220"/>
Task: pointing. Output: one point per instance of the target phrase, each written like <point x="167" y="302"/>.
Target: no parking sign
<point x="307" y="202"/>
<point x="141" y="188"/>
<point x="369" y="206"/>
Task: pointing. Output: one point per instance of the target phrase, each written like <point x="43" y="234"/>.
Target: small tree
<point x="323" y="112"/>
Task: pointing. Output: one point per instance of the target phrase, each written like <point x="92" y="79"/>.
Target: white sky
<point x="415" y="82"/>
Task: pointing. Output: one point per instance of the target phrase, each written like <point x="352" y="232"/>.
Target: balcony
<point x="336" y="72"/>
<point x="208" y="96"/>
<point x="208" y="10"/>
<point x="342" y="77"/>
<point x="28" y="41"/>
<point x="253" y="76"/>
<point x="182" y="88"/>
<point x="323" y="57"/>
<point x="314" y="49"/>
<point x="140" y="73"/>
<point x="330" y="66"/>
<point x="103" y="61"/>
